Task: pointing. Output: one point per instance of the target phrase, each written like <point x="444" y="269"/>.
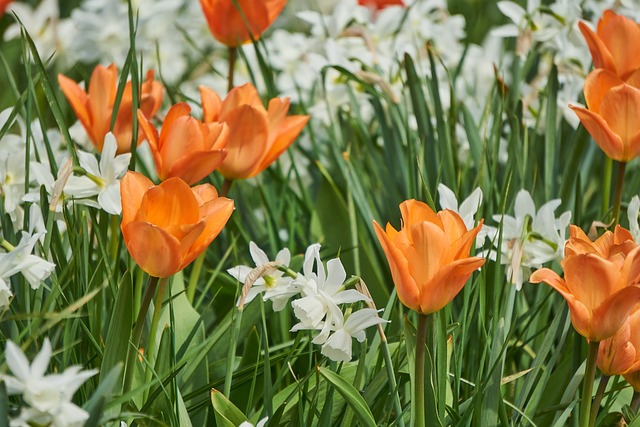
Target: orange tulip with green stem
<point x="165" y="227"/>
<point x="430" y="263"/>
<point x="600" y="285"/>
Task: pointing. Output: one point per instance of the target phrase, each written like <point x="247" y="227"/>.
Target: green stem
<point x="137" y="332"/>
<point x="595" y="407"/>
<point x="195" y="275"/>
<point x="391" y="376"/>
<point x="617" y="199"/>
<point x="587" y="386"/>
<point x="231" y="354"/>
<point x="421" y="338"/>
<point x="232" y="65"/>
<point x="157" y="309"/>
<point x="226" y="186"/>
<point x="606" y="186"/>
<point x="635" y="401"/>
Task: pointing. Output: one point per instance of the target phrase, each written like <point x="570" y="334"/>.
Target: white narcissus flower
<point x="277" y="287"/>
<point x="338" y="346"/>
<point x="49" y="396"/>
<point x="467" y="209"/>
<point x="322" y="293"/>
<point x="529" y="239"/>
<point x="32" y="267"/>
<point x="261" y="423"/>
<point x="102" y="179"/>
<point x="632" y="213"/>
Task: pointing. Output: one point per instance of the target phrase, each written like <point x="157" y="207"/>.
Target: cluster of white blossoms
<point x="47" y="397"/>
<point x="322" y="296"/>
<point x="525" y="242"/>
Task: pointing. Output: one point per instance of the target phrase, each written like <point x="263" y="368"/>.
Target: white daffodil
<point x="32" y="267"/>
<point x="277" y="287"/>
<point x="101" y="179"/>
<point x="529" y="239"/>
<point x="467" y="209"/>
<point x="322" y="293"/>
<point x="49" y="396"/>
<point x="632" y="213"/>
<point x="339" y="344"/>
<point x="261" y="423"/>
<point x="19" y="259"/>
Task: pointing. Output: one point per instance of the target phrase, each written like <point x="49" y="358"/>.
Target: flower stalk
<point x="617" y="198"/>
<point x="421" y="341"/>
<point x="587" y="386"/>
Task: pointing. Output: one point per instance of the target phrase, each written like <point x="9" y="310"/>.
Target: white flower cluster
<point x="529" y="239"/>
<point x="322" y="295"/>
<point x="48" y="396"/>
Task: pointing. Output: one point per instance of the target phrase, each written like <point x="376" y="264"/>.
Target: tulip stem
<point x="232" y="66"/>
<point x="617" y="199"/>
<point x="137" y="332"/>
<point x="226" y="186"/>
<point x="635" y="401"/>
<point x="587" y="386"/>
<point x="155" y="319"/>
<point x="595" y="407"/>
<point x="421" y="341"/>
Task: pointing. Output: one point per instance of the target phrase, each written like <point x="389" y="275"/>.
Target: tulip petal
<point x="610" y="316"/>
<point x="285" y="134"/>
<point x="406" y="287"/>
<point x="591" y="279"/>
<point x="599" y="52"/>
<point x="621" y="35"/>
<point x="211" y="104"/>
<point x="246" y="94"/>
<point x="204" y="193"/>
<point x="620" y="108"/>
<point x="179" y="205"/>
<point x="452" y="224"/>
<point x="608" y="141"/>
<point x="133" y="185"/>
<point x="152" y="248"/>
<point x="425" y="256"/>
<point x="102" y="94"/>
<point x="182" y="136"/>
<point x="216" y="214"/>
<point x="447" y="283"/>
<point x="230" y="26"/>
<point x="414" y="211"/>
<point x="175" y="112"/>
<point x="153" y="139"/>
<point x="597" y="85"/>
<point x="248" y="133"/>
<point x="79" y="103"/>
<point x="196" y="165"/>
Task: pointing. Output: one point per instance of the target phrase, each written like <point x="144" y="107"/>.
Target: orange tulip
<point x="257" y="137"/>
<point x="94" y="109"/>
<point x="621" y="353"/>
<point x="600" y="281"/>
<point x="380" y="4"/>
<point x="167" y="226"/>
<point x="429" y="256"/>
<point x="615" y="44"/>
<point x="236" y="22"/>
<point x="185" y="147"/>
<point x="612" y="117"/>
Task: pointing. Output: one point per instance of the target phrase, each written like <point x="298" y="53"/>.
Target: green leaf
<point x="117" y="344"/>
<point x="227" y="415"/>
<point x="351" y="396"/>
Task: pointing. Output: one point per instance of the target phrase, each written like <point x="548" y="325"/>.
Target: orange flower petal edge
<point x="94" y="108"/>
<point x="429" y="256"/>
<point x="165" y="227"/>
